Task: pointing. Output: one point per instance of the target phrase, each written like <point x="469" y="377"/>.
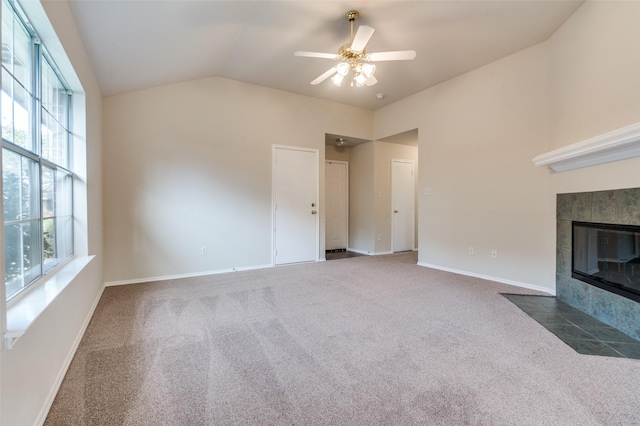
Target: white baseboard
<point x="190" y="275"/>
<point x="490" y="278"/>
<point x="67" y="362"/>
<point x="368" y="253"/>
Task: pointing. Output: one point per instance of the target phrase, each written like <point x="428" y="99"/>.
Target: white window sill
<point x="21" y="315"/>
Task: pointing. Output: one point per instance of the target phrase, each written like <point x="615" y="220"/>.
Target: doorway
<point x="402" y="205"/>
<point x="337" y="205"/>
<point x="295" y="205"/>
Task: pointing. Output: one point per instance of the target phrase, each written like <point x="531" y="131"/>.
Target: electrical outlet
<point x="472" y="251"/>
<point x="494" y="254"/>
<point x="203" y="250"/>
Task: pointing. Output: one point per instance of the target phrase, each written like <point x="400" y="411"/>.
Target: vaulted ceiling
<point x="140" y="44"/>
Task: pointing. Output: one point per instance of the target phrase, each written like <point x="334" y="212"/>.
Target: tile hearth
<point x="585" y="334"/>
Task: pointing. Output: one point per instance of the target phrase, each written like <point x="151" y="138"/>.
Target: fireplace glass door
<point x="608" y="256"/>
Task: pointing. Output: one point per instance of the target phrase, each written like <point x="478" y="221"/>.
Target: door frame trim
<point x="346" y="163"/>
<point x="275" y="147"/>
<point x="413" y="210"/>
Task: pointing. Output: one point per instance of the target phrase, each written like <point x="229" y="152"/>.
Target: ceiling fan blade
<point x="398" y="55"/>
<point x="324" y="76"/>
<point x="371" y="81"/>
<point x="362" y="37"/>
<point x="315" y="54"/>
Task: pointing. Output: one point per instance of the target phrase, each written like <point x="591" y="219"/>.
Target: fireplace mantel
<point x="616" y="145"/>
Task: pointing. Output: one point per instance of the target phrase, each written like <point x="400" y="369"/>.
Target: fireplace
<point x="600" y="281"/>
<point x="607" y="256"/>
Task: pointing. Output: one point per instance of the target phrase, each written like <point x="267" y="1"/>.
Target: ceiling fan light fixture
<point x="360" y="79"/>
<point x="337" y="79"/>
<point x="368" y="69"/>
<point x="342" y="68"/>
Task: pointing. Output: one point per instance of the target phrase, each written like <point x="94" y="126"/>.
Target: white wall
<point x="361" y="203"/>
<point x="33" y="369"/>
<point x="336" y="153"/>
<point x="595" y="89"/>
<point x="477" y="136"/>
<point x="189" y="165"/>
<point x="595" y="64"/>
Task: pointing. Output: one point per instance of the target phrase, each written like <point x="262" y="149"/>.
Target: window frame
<point x="36" y="112"/>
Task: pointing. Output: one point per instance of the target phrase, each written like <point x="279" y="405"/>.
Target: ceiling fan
<point x="353" y="58"/>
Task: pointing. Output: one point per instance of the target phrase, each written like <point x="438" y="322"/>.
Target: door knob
<point x="395" y="211"/>
<point x="313" y="212"/>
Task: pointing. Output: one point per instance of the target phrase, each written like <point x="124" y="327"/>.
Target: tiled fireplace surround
<point x="621" y="206"/>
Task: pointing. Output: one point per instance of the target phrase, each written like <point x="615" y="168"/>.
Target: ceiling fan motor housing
<point x="347" y="54"/>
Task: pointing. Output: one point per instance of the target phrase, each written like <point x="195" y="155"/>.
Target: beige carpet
<point x="361" y="341"/>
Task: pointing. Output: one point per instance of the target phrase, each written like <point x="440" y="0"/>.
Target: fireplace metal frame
<point x="596" y="281"/>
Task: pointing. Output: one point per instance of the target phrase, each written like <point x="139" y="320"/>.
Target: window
<point x="36" y="152"/>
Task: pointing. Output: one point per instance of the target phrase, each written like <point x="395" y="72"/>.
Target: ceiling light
<point x="368" y="69"/>
<point x="342" y="68"/>
<point x="337" y="79"/>
<point x="341" y="141"/>
<point x="380" y="95"/>
<point x="362" y="73"/>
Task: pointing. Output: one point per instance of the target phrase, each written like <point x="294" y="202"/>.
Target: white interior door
<point x="336" y="205"/>
<point x="402" y="205"/>
<point x="295" y="181"/>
